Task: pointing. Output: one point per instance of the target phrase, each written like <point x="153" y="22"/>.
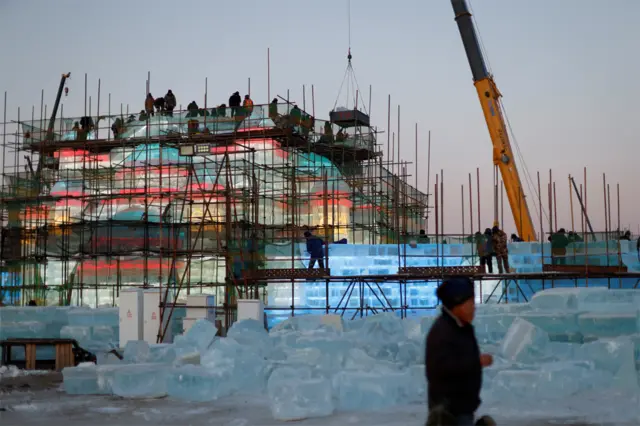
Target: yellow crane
<point x="489" y="96"/>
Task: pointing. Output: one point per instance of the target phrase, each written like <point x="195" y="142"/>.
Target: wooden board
<point x="439" y="271"/>
<point x="286" y="273"/>
<point x="64" y="356"/>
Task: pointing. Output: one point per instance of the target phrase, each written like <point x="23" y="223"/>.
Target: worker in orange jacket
<point x="247" y="104"/>
<point x="148" y="104"/>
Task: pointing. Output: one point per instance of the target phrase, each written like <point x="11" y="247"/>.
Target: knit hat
<point x="455" y="291"/>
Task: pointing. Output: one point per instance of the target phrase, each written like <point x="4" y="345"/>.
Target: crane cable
<point x="520" y="157"/>
<point x="349" y="73"/>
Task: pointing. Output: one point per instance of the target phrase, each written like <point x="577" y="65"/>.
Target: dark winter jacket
<point x="314" y="247"/>
<point x="170" y="99"/>
<point x="454" y="373"/>
<point x="234" y="100"/>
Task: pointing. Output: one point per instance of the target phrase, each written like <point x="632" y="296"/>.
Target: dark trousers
<point x="438" y="416"/>
<point x="465" y="420"/>
<point x="503" y="260"/>
<point x="313" y="260"/>
<point x="488" y="261"/>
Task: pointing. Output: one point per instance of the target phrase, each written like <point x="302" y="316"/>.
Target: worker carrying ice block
<point x="453" y="359"/>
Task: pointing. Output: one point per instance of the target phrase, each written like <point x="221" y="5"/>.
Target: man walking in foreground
<point x="453" y="360"/>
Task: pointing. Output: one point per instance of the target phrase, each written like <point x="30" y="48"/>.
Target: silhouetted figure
<point x="234" y="103"/>
<point x="453" y="359"/>
<point x="500" y="249"/>
<point x="315" y="250"/>
<point x="160" y="105"/>
<point x="192" y="109"/>
<point x="148" y="105"/>
<point x="170" y="102"/>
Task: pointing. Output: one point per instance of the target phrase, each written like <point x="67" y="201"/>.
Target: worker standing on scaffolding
<point x="315" y="250"/>
<point x="500" y="249"/>
<point x="273" y="109"/>
<point x="453" y="359"/>
<point x="171" y="102"/>
<point x="234" y="103"/>
<point x="148" y="105"/>
<point x="247" y="104"/>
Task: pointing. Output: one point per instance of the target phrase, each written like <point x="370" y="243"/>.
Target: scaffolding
<point x="187" y="200"/>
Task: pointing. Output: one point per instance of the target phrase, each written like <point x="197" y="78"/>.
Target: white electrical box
<point x="131" y="319"/>
<point x="151" y="317"/>
<point x="201" y="306"/>
<point x="250" y="309"/>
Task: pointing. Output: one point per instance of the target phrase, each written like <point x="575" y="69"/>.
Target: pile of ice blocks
<point x="564" y="342"/>
<point x="95" y="330"/>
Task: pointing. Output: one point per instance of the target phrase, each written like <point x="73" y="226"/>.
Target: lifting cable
<point x="353" y="88"/>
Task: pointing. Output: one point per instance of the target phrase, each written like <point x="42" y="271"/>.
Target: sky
<point x="567" y="70"/>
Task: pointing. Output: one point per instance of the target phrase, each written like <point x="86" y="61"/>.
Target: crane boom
<point x="489" y="96"/>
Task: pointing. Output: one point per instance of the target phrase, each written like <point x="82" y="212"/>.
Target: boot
<point x="486" y="421"/>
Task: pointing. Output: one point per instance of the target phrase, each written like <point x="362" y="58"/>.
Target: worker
<point x="315" y="250"/>
<point x="559" y="243"/>
<point x="341" y="136"/>
<point x="247" y="104"/>
<point x="484" y="247"/>
<point x="626" y="236"/>
<point x="234" y="103"/>
<point x="328" y="131"/>
<point x="296" y="115"/>
<point x="222" y="110"/>
<point x="143" y="116"/>
<point x="453" y="360"/>
<point x="192" y="110"/>
<point x="516" y="239"/>
<point x="273" y="108"/>
<point x="160" y="105"/>
<point x="32" y="303"/>
<point x="170" y="102"/>
<point x="148" y="104"/>
<point x="423" y="238"/>
<point x="499" y="241"/>
<point x="574" y="237"/>
<point x="118" y="126"/>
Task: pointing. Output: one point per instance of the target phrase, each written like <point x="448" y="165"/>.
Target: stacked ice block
<point x="564" y="343"/>
<point x="95" y="329"/>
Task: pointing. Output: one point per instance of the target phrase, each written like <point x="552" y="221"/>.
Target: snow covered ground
<point x="52" y="407"/>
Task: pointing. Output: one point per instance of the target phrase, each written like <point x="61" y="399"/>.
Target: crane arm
<point x="489" y="97"/>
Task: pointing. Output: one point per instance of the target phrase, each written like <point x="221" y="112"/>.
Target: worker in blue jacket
<point x="315" y="249"/>
<point x="453" y="360"/>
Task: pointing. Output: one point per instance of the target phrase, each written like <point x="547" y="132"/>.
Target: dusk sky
<point x="568" y="71"/>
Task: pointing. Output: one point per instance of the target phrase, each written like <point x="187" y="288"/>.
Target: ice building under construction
<point x="190" y="200"/>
